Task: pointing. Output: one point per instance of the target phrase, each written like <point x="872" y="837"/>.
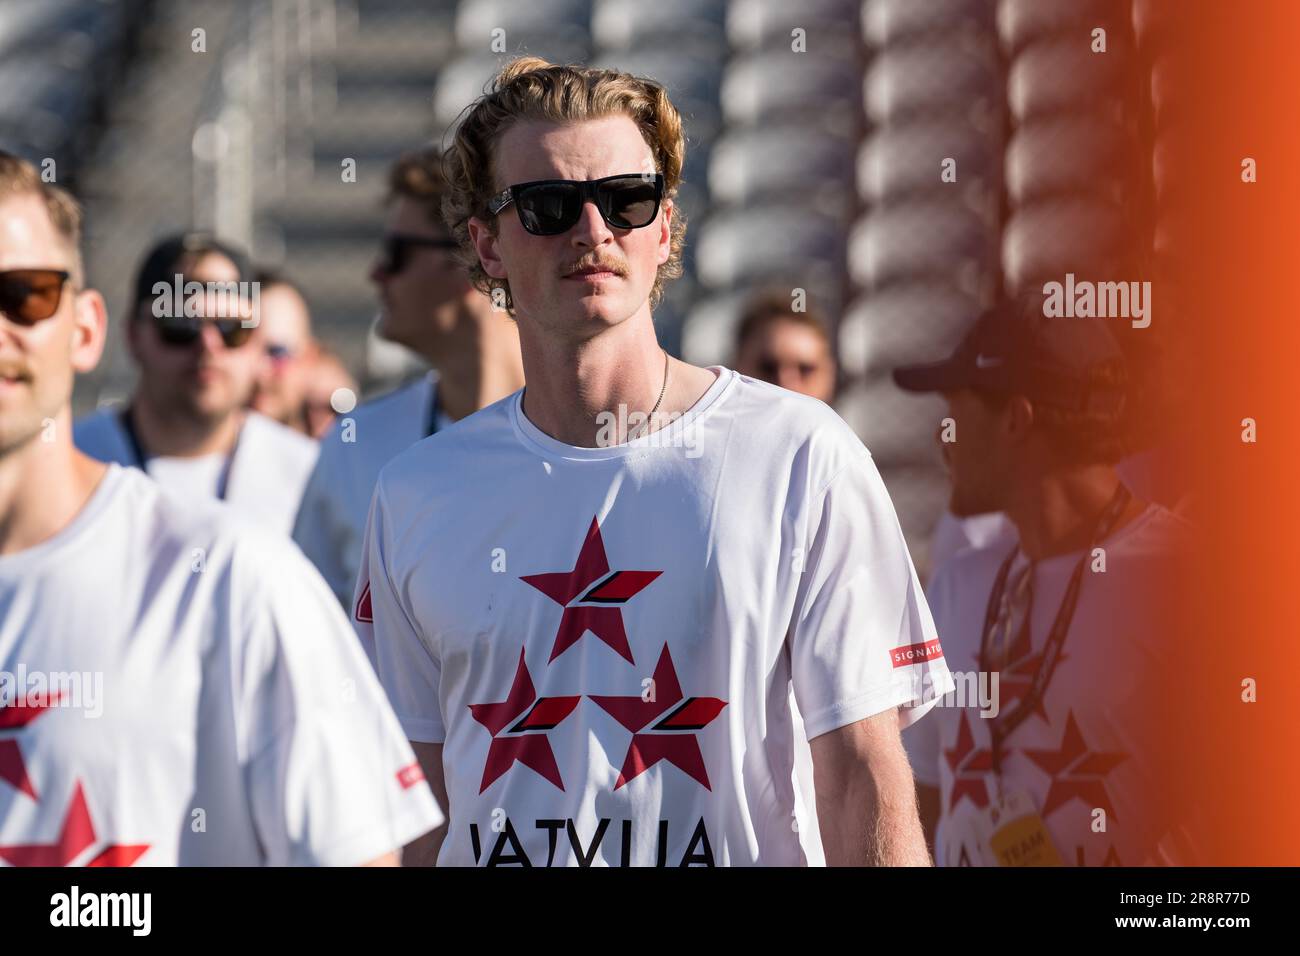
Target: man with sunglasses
<point x="588" y="602"/>
<point x="171" y="680"/>
<point x="429" y="306"/>
<point x="187" y="424"/>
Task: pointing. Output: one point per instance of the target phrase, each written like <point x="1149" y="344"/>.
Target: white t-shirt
<point x="604" y="639"/>
<point x="213" y="706"/>
<point x="1091" y="745"/>
<point x="264" y="483"/>
<point x="331" y="521"/>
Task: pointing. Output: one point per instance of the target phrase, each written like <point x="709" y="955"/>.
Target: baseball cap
<point x="159" y="264"/>
<point x="1013" y="347"/>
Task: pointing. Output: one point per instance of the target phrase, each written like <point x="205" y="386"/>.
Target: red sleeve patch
<point x="915" y="653"/>
<point x="408" y="777"/>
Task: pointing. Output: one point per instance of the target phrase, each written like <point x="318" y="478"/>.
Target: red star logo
<point x="583" y="590"/>
<point x="666" y="740"/>
<point x="968" y="767"/>
<point x="528" y="716"/>
<point x="76" y="836"/>
<point x="1075" y="771"/>
<point x="16" y="717"/>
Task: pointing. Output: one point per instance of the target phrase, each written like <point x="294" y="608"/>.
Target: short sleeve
<point x="332" y="780"/>
<point x="407" y="667"/>
<point x="862" y="639"/>
<point x="922" y="739"/>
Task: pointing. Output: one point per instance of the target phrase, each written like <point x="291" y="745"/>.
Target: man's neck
<point x="1058" y="513"/>
<point x="175" y="434"/>
<point x="572" y="386"/>
<point x="43" y="485"/>
<point x="482" y="368"/>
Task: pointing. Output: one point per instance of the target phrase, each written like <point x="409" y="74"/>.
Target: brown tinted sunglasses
<point x="29" y="295"/>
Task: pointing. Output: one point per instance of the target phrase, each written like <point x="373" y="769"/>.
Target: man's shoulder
<point x="959" y="586"/>
<point x="169" y="522"/>
<point x="779" y="414"/>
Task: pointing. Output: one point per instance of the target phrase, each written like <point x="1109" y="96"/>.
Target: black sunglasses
<point x="397" y="250"/>
<point x="29" y="295"/>
<point x="548" y="207"/>
<point x="184" y="331"/>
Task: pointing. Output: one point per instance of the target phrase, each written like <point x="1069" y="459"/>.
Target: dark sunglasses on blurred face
<point x="549" y="207"/>
<point x="28" y="296"/>
<point x="397" y="250"/>
<point x="184" y="331"/>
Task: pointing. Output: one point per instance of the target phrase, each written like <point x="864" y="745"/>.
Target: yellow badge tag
<point x="1019" y="835"/>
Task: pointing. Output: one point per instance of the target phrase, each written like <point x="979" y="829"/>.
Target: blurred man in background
<point x="429" y="306"/>
<point x="187" y="424"/>
<point x="290" y="353"/>
<point x="330" y="389"/>
<point x="1060" y="761"/>
<point x="776" y="344"/>
<point x="214" y="690"/>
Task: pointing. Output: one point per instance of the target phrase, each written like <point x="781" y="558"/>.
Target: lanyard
<point x="139" y="459"/>
<point x="1000" y="730"/>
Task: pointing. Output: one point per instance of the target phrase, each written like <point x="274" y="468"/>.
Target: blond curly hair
<point x="530" y="88"/>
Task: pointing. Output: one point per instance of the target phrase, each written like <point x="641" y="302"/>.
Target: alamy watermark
<point x="1101" y="300"/>
<point x="659" y="430"/>
<point x="208" y="300"/>
<point x="977" y="690"/>
<point x="78" y="690"/>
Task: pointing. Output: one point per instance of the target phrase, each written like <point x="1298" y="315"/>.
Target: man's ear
<point x="89" y="330"/>
<point x="1019" y="416"/>
<point x="665" y="231"/>
<point x="485" y="244"/>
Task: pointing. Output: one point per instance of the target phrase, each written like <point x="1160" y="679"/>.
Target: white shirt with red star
<point x="1090" y="745"/>
<point x="604" y="639"/>
<point x="176" y="692"/>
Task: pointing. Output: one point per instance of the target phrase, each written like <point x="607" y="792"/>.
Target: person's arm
<point x="423" y="851"/>
<point x="866" y="802"/>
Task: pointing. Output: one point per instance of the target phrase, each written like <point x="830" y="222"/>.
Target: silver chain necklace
<point x="662" y="391"/>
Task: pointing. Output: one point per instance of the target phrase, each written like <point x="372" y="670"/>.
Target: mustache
<point x="14" y="368"/>
<point x="596" y="262"/>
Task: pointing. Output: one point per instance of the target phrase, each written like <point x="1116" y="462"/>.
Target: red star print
<point x="665" y="742"/>
<point x="968" y="767"/>
<point x="1075" y="771"/>
<point x="16" y="717"/>
<point x="76" y="836"/>
<point x="531" y="748"/>
<point x="590" y="582"/>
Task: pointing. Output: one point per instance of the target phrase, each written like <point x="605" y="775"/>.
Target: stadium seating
<point x="817" y="138"/>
